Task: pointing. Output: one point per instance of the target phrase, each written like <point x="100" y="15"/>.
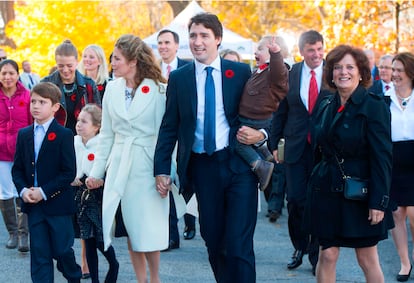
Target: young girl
<point x="89" y="201"/>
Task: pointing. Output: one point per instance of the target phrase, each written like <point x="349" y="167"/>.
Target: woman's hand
<point x="163" y="184"/>
<point x="247" y="135"/>
<point x="375" y="216"/>
<point x="76" y="182"/>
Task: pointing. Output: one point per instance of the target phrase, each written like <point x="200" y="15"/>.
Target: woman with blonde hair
<point x="133" y="107"/>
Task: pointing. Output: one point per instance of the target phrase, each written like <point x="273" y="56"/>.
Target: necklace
<point x="65" y="90"/>
<point x="404" y="100"/>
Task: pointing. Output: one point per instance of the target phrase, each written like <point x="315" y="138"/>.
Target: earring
<point x="360" y="79"/>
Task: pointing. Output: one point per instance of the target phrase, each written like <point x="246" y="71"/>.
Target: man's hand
<point x="163" y="183"/>
<point x="247" y="135"/>
<point x="93" y="183"/>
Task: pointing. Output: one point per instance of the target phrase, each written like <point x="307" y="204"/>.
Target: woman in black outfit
<point x="352" y="134"/>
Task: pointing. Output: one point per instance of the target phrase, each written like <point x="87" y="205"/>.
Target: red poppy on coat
<point x="145" y="89"/>
<point x="100" y="87"/>
<point x="229" y="74"/>
<point x="91" y="156"/>
<point x="21" y="103"/>
<point x="51" y="136"/>
<point x="341" y="108"/>
<point x="73" y="97"/>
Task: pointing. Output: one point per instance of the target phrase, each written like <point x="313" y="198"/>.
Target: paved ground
<point x="190" y="264"/>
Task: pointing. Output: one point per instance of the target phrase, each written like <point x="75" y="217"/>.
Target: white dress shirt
<point x="305" y="78"/>
<point x="402" y="120"/>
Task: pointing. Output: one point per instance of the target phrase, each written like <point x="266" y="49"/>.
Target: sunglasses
<point x="3" y="58"/>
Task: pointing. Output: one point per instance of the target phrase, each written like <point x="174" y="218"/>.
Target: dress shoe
<point x="172" y="245"/>
<point x="263" y="170"/>
<point x="189" y="233"/>
<point x="274" y="216"/>
<point x="296" y="259"/>
<point x="404" y="277"/>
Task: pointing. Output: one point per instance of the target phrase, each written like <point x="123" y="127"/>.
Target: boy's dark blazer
<point x="56" y="168"/>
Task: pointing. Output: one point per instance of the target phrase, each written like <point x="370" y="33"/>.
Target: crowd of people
<point x="94" y="154"/>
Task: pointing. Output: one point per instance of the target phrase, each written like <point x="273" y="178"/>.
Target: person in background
<point x="292" y="122"/>
<point x="89" y="202"/>
<point x="77" y="91"/>
<point x="14" y="115"/>
<point x="202" y="115"/>
<point x="231" y="55"/>
<point x="168" y="43"/>
<point x="401" y="105"/>
<point x="262" y="94"/>
<point x="3" y="54"/>
<point x="132" y="111"/>
<point x="93" y="65"/>
<point x="374" y="70"/>
<point x="28" y="78"/>
<point x="351" y="137"/>
<point x="384" y="84"/>
<point x="44" y="166"/>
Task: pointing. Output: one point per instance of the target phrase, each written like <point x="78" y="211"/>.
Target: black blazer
<point x="179" y="121"/>
<point x="56" y="168"/>
<point x="292" y="120"/>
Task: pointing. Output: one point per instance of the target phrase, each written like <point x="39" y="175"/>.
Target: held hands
<point x="93" y="183"/>
<point x="76" y="183"/>
<point x="247" y="135"/>
<point x="32" y="195"/>
<point x="163" y="183"/>
<point x="375" y="216"/>
<point x="273" y="46"/>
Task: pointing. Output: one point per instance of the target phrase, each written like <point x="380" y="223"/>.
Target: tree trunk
<point x="178" y="6"/>
<point x="7" y="14"/>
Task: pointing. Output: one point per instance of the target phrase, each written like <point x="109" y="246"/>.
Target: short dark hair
<point x="309" y="37"/>
<point x="336" y="55"/>
<point x="174" y="34"/>
<point x="407" y="59"/>
<point x="9" y="62"/>
<point x="209" y="21"/>
<point x="47" y="90"/>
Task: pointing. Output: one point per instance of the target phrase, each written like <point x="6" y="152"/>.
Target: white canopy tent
<point x="231" y="40"/>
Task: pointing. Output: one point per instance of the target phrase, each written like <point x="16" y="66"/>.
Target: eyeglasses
<point x="3" y="58"/>
<point x="385" y="67"/>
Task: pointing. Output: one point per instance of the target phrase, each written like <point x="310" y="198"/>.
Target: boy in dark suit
<point x="44" y="166"/>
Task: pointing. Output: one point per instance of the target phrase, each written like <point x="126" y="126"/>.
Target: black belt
<point x="219" y="155"/>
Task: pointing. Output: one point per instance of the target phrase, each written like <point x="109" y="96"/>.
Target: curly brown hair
<point x="133" y="48"/>
<point x="336" y="55"/>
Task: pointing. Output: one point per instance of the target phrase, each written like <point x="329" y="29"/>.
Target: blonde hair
<point x="103" y="74"/>
<point x="133" y="48"/>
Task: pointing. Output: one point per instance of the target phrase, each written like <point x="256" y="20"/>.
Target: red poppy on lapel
<point x="51" y="136"/>
<point x="341" y="108"/>
<point x="91" y="156"/>
<point x="73" y="97"/>
<point x="21" y="103"/>
<point x="100" y="87"/>
<point x="229" y="74"/>
<point x="145" y="89"/>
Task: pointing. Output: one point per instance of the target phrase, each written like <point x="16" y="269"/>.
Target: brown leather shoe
<point x="263" y="171"/>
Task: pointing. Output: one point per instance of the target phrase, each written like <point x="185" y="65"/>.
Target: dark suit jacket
<point x="56" y="168"/>
<point x="377" y="88"/>
<point x="179" y="122"/>
<point x="292" y="120"/>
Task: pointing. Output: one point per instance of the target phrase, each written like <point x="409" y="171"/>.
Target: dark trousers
<point x="227" y="204"/>
<point x="173" y="220"/>
<point x="297" y="177"/>
<point x="52" y="237"/>
<point x="276" y="191"/>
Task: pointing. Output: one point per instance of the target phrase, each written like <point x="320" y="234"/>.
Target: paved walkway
<point x="190" y="263"/>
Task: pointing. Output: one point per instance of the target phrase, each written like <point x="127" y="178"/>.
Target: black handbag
<point x="354" y="188"/>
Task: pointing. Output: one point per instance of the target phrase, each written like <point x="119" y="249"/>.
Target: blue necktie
<point x="210" y="114"/>
<point x="31" y="81"/>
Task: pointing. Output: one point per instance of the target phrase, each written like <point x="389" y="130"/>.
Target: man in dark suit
<point x="380" y="87"/>
<point x="168" y="43"/>
<point x="42" y="177"/>
<point x="202" y="114"/>
<point x="292" y="122"/>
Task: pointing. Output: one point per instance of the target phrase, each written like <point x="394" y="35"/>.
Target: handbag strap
<point x="341" y="169"/>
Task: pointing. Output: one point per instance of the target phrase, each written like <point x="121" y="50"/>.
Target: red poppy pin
<point x="262" y="67"/>
<point x="229" y="74"/>
<point x="100" y="87"/>
<point x="145" y="89"/>
<point x="21" y="103"/>
<point x="91" y="156"/>
<point x="51" y="136"/>
<point x="73" y="97"/>
<point x="341" y="108"/>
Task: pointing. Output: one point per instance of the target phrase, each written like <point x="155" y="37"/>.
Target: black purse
<point x="354" y="188"/>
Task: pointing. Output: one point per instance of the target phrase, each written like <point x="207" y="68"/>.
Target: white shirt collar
<point x="216" y="64"/>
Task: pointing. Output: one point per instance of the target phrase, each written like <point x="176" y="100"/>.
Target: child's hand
<point x="27" y="196"/>
<point x="273" y="46"/>
<point x="36" y="195"/>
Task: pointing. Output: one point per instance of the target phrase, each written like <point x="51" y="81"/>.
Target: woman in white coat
<point x="133" y="107"/>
